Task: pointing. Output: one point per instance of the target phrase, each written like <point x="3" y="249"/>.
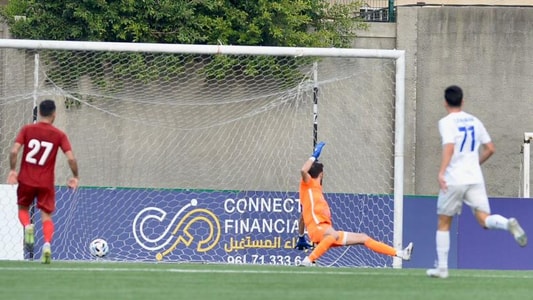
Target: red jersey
<point x="40" y="142"/>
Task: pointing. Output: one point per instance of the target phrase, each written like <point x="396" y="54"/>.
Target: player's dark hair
<point x="454" y="96"/>
<point x="316" y="169"/>
<point x="47" y="108"/>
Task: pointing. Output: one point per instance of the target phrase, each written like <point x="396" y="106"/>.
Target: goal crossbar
<point x="199" y="49"/>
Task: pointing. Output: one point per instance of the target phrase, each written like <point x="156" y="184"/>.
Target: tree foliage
<point x="296" y="23"/>
<point x="300" y="23"/>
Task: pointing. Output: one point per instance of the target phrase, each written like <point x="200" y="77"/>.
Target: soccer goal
<point x="192" y="153"/>
<point x="526" y="164"/>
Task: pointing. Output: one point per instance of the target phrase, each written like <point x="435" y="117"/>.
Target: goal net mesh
<point x="189" y="157"/>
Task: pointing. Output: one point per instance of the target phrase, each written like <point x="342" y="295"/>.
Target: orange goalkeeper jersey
<point x="315" y="208"/>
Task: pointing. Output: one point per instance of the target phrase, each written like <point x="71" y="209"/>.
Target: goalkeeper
<point x="316" y="216"/>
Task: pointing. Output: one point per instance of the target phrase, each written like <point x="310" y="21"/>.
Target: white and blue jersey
<point x="467" y="133"/>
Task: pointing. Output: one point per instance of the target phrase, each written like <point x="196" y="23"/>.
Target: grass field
<point x="103" y="280"/>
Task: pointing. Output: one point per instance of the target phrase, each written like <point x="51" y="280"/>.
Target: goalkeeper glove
<point x="318" y="150"/>
<point x="302" y="243"/>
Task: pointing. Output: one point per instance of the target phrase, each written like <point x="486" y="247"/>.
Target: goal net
<point x="191" y="153"/>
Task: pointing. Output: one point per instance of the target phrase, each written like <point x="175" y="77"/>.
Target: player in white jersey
<point x="461" y="179"/>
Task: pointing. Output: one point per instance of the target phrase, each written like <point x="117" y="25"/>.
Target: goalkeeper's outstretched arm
<point x="309" y="162"/>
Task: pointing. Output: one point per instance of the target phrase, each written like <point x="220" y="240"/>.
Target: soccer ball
<point x="99" y="248"/>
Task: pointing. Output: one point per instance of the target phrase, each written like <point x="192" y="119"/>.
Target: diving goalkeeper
<point x="316" y="216"/>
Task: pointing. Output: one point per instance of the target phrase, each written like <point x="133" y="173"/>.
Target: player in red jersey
<point x="40" y="143"/>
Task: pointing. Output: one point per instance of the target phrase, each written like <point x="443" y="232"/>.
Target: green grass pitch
<point x="105" y="280"/>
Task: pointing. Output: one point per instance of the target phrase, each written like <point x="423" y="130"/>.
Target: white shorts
<point x="474" y="195"/>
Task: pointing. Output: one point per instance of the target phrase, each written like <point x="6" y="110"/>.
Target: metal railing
<point x="373" y="10"/>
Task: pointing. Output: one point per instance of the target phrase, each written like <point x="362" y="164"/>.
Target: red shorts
<point x="45" y="197"/>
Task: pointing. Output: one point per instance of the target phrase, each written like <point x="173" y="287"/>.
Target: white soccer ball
<point x="99" y="248"/>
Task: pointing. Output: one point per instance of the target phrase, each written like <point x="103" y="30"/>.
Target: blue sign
<point x="241" y="227"/>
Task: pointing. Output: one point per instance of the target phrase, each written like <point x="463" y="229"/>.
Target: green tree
<point x="301" y="23"/>
<point x="296" y="23"/>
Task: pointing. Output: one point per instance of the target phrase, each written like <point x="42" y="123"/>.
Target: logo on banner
<point x="190" y="226"/>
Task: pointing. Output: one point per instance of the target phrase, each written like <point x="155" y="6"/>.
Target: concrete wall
<point x="465" y="2"/>
<point x="488" y="51"/>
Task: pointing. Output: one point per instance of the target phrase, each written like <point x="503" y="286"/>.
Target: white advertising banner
<point x="11" y="233"/>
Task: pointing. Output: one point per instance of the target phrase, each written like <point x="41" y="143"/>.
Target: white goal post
<point x="181" y="129"/>
<point x="526" y="164"/>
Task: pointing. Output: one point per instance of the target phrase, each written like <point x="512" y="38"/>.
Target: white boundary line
<point x="313" y="271"/>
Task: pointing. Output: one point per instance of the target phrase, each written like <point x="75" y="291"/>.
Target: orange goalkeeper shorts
<point x="316" y="234"/>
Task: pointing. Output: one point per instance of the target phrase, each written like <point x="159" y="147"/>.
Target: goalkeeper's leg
<point x="379" y="247"/>
<point x="322" y="247"/>
<point x="327" y="237"/>
<point x="353" y="238"/>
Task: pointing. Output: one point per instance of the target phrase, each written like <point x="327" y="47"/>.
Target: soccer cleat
<point x="518" y="233"/>
<point x="29" y="236"/>
<point x="406" y="253"/>
<point x="47" y="254"/>
<point x="437" y="273"/>
<point x="307" y="262"/>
